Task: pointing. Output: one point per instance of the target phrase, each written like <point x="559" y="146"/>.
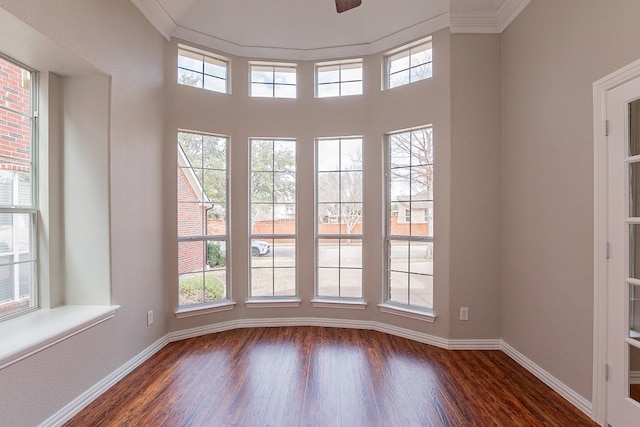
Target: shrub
<point x="215" y="256"/>
<point x="192" y="290"/>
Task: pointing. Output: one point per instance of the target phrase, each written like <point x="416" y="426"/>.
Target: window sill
<point x="272" y="302"/>
<point x="425" y="315"/>
<point x="198" y="310"/>
<point x="352" y="304"/>
<point x="28" y="334"/>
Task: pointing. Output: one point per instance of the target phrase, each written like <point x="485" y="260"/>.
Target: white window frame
<point x="206" y="58"/>
<point x="341" y="236"/>
<point x="341" y="82"/>
<point x="418" y="311"/>
<point x="16" y="208"/>
<point x="407" y="51"/>
<point x="221" y="239"/>
<point x="282" y="300"/>
<point x="275" y="68"/>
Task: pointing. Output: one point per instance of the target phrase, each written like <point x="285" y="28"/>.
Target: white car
<point x="259" y="248"/>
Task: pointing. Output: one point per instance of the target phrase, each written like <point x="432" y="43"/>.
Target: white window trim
<point x="291" y="65"/>
<point x="344" y="303"/>
<point x="31" y="333"/>
<point x="403" y="48"/>
<point x="210" y="55"/>
<point x="426" y="315"/>
<point x="206" y="308"/>
<point x="320" y="65"/>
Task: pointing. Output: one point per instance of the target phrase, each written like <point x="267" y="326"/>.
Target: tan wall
<point x="115" y="38"/>
<point x="552" y="53"/>
<point x="475" y="185"/>
<point x="306" y="118"/>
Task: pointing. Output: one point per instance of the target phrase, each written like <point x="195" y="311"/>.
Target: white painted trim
<point x="157" y="16"/>
<point x="556" y="385"/>
<point x="79" y="403"/>
<point x="335" y="303"/>
<point x="82" y="401"/>
<point x="487" y="22"/>
<point x="31" y="333"/>
<point x="391" y="41"/>
<point x="426" y="316"/>
<point x="198" y="310"/>
<point x="600" y="89"/>
<point x="272" y="303"/>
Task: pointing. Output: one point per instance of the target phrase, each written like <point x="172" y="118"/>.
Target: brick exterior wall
<point x="15" y="152"/>
<point x="191" y="255"/>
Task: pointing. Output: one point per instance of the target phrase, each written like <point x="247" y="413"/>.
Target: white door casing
<point x="612" y="344"/>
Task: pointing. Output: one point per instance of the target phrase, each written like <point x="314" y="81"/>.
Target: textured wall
<point x="552" y="53"/>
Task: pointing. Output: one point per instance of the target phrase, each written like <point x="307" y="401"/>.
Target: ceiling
<point x="312" y="29"/>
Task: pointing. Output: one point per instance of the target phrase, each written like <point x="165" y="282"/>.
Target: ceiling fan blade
<point x="344" y="5"/>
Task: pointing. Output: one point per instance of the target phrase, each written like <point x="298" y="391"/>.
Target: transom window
<point x="202" y="218"/>
<point x="18" y="209"/>
<point x="202" y="69"/>
<point x="409" y="236"/>
<point x="408" y="64"/>
<point x="341" y="78"/>
<point x="273" y="218"/>
<point x="339" y="218"/>
<point x="273" y="80"/>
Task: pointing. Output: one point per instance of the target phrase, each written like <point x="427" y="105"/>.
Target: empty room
<point x="319" y="213"/>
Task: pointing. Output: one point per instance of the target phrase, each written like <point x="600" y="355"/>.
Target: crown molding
<point x="487" y="22"/>
<point x="262" y="52"/>
<point x="158" y="17"/>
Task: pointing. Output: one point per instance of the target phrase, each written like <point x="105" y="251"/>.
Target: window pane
<point x="328" y="282"/>
<point x="327" y="90"/>
<point x="351" y="88"/>
<point x="350" y="283"/>
<point x="284" y="281"/>
<point x="215" y="84"/>
<point x="351" y="253"/>
<point x="351" y="186"/>
<point x="285" y="75"/>
<point x="214" y="184"/>
<point x="328" y="187"/>
<point x="284" y="91"/>
<point x="216" y="219"/>
<point x="261" y="74"/>
<point x="328" y="155"/>
<point x="351" y="218"/>
<point x="262" y="218"/>
<point x="329" y="253"/>
<point x="421" y="72"/>
<point x="399" y="79"/>
<point x="7" y="287"/>
<point x="351" y="154"/>
<point x="214" y="152"/>
<point x="262" y="187"/>
<point x="189" y="78"/>
<point x="201" y="288"/>
<point x="261" y="282"/>
<point x="216" y="68"/>
<point x="399" y="287"/>
<point x="421" y="290"/>
<point x="262" y="90"/>
<point x="351" y="72"/>
<point x="329" y="74"/>
<point x="284" y="156"/>
<point x="191" y="257"/>
<point x="190" y="60"/>
<point x="399" y="62"/>
<point x="284" y="187"/>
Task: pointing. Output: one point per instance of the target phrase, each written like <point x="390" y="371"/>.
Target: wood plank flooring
<point x="313" y="376"/>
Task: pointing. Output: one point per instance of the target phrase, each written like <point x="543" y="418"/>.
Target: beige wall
<point x="552" y="53"/>
<point x="372" y="115"/>
<point x="514" y="183"/>
<point x="475" y="185"/>
<point x="117" y="40"/>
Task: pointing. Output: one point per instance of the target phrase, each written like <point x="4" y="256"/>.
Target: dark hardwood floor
<point x="312" y="376"/>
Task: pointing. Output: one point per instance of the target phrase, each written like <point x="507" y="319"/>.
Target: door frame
<point x="601" y="238"/>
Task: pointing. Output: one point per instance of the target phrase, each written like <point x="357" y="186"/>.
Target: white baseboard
<point x="82" y="401"/>
<point x="555" y="384"/>
<point x="79" y="403"/>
